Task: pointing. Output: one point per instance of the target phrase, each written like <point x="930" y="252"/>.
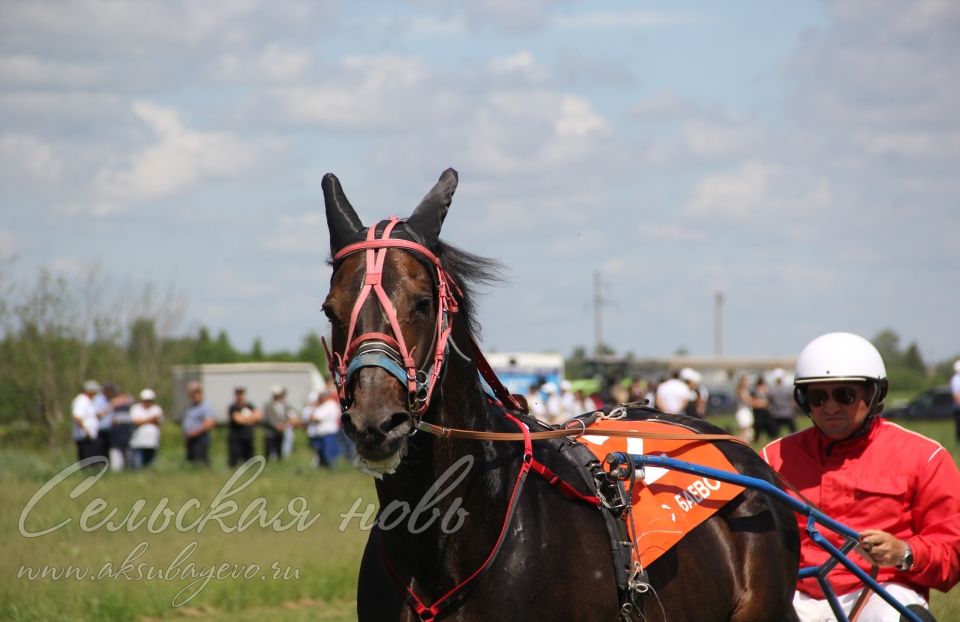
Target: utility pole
<point x="718" y="323"/>
<point x="597" y="312"/>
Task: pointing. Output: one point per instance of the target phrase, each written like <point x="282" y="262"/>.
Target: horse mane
<point x="469" y="272"/>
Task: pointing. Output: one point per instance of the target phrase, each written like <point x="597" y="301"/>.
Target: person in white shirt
<point x="323" y="427"/>
<point x="147" y="416"/>
<point x="85" y="421"/>
<point x="673" y="395"/>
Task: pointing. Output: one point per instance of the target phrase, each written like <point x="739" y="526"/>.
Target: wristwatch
<point x="906" y="562"/>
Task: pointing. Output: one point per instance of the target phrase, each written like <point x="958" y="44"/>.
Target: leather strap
<point x="576" y="431"/>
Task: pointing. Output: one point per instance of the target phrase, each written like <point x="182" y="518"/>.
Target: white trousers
<point x="876" y="610"/>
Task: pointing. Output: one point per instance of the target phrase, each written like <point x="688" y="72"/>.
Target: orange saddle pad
<point x="667" y="504"/>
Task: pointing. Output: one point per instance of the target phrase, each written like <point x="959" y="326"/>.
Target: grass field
<point x="269" y="568"/>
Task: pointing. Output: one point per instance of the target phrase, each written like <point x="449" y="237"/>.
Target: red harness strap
<point x="376" y="249"/>
<point x="428" y="612"/>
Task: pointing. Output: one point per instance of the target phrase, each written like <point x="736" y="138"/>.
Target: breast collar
<point x="390" y="353"/>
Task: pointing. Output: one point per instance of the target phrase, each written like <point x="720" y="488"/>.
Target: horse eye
<point x="423" y="306"/>
<point x="328" y="311"/>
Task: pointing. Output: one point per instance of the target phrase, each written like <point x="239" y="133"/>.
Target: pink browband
<point x="391" y="353"/>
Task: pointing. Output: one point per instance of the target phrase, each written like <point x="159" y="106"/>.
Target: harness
<point x="374" y="349"/>
<point x="390" y="353"/>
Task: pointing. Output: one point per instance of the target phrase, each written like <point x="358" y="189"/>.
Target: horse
<point x="461" y="533"/>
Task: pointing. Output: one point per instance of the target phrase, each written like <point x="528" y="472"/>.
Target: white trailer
<point x="219" y="380"/>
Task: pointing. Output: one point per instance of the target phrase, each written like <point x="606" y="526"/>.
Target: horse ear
<point x="428" y="217"/>
<point x="342" y="221"/>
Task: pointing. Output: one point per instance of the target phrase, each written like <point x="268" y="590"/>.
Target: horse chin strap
<point x="387" y="352"/>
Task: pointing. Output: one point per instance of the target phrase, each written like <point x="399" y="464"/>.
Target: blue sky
<point x="801" y="157"/>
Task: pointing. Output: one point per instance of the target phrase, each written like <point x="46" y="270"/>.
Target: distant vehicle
<point x="219" y="379"/>
<point x="936" y="403"/>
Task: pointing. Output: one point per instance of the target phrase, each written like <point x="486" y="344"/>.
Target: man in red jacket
<point x="899" y="489"/>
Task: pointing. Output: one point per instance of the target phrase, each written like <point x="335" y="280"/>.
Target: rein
<point x="575" y="432"/>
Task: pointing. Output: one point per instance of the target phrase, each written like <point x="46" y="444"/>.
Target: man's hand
<point x="881" y="548"/>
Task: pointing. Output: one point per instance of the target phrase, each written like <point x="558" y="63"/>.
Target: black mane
<point x="469" y="271"/>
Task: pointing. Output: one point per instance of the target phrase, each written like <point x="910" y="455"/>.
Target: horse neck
<point x="458" y="402"/>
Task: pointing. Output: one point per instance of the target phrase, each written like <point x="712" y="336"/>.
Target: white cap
<point x="277" y="390"/>
<point x="147" y="395"/>
<point x="549" y="388"/>
<point x="690" y="375"/>
<point x="565" y="385"/>
<point x="91" y="386"/>
<point x="956" y="366"/>
<point x="778" y="374"/>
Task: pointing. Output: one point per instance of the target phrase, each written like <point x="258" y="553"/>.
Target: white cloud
<point x="757" y="187"/>
<point x="521" y="63"/>
<point x="519" y="131"/>
<point x="178" y="159"/>
<point x="364" y="93"/>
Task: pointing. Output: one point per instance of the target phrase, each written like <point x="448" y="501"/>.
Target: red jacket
<point x="890" y="479"/>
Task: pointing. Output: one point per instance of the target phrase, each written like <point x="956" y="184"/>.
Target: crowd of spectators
<point x="111" y="424"/>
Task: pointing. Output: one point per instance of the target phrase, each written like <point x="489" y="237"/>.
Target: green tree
<point x="312" y="351"/>
<point x="256" y="353"/>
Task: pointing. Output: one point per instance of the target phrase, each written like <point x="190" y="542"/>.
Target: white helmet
<point x="841" y="357"/>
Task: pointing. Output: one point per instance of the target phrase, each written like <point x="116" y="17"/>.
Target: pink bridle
<point x="374" y="349"/>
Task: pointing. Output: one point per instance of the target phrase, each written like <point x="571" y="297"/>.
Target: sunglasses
<point x="845" y="396"/>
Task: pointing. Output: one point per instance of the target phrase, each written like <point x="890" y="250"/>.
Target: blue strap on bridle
<point x="376" y="358"/>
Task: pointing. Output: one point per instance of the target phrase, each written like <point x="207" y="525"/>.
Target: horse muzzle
<point x="378" y="428"/>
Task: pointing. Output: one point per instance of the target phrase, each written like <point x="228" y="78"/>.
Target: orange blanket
<point x="666" y="504"/>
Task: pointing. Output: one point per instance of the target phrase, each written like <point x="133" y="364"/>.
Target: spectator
<point x="323" y="427"/>
<point x="121" y="427"/>
<point x="553" y="405"/>
<point x="146" y="416"/>
<point x="101" y="403"/>
<point x="899" y="489"/>
<point x="569" y="406"/>
<point x="744" y="412"/>
<point x="198" y="420"/>
<point x="673" y="395"/>
<point x="762" y="419"/>
<point x="85" y="421"/>
<point x="275" y="422"/>
<point x="699" y="396"/>
<point x="535" y="403"/>
<point x="242" y="417"/>
<point x="782" y="409"/>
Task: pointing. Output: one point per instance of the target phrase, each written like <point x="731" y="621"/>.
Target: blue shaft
<point x="814" y="516"/>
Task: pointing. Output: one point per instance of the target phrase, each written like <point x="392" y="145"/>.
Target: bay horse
<point x="462" y="534"/>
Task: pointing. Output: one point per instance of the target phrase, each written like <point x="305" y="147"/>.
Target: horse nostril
<point x="396" y="420"/>
<point x="348" y="427"/>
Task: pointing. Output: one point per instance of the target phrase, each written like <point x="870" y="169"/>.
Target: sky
<point x="802" y="158"/>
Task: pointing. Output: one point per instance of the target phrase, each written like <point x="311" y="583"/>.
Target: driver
<point x="899" y="489"/>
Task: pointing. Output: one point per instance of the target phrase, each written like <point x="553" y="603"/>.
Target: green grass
<point x="324" y="557"/>
<point x="320" y="561"/>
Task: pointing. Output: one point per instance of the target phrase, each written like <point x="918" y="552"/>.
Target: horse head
<point x="390" y="308"/>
